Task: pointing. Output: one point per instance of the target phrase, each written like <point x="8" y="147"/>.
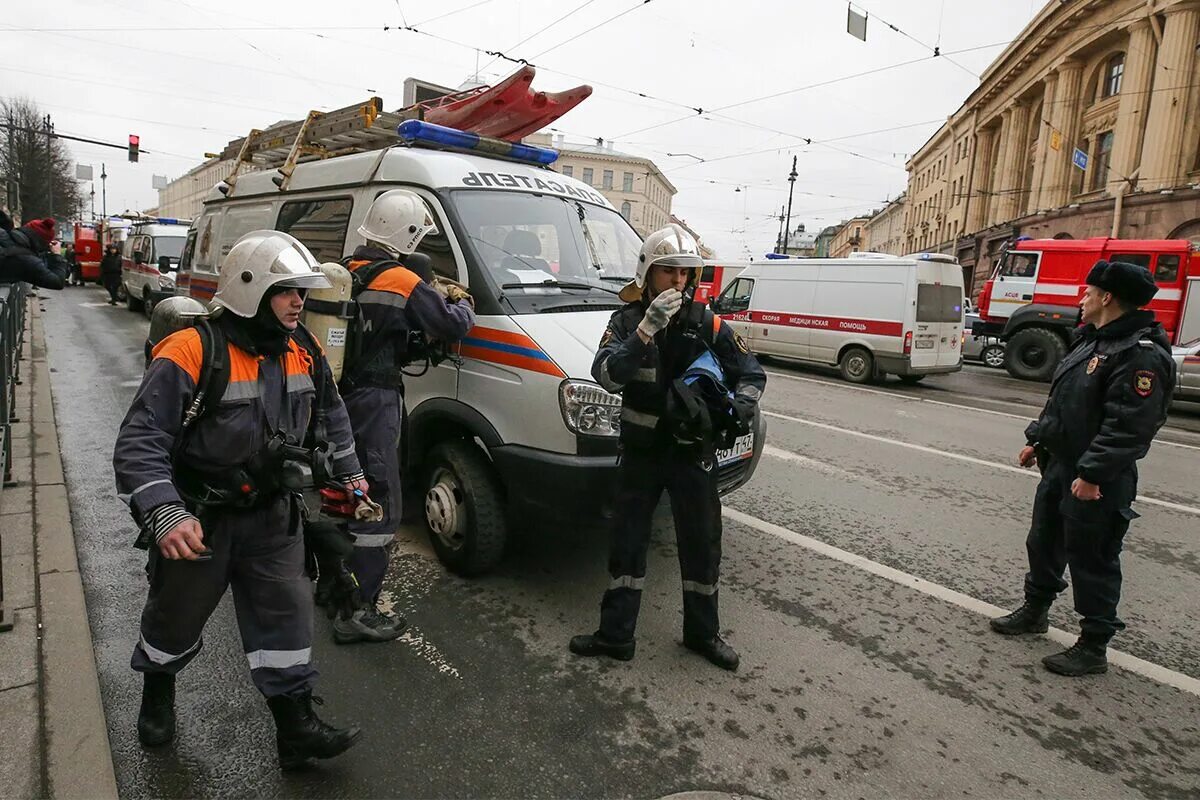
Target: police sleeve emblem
<point x="1143" y="382"/>
<point x="607" y="337"/>
<point x="741" y="343"/>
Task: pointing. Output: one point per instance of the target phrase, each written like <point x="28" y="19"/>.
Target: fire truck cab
<point x="1032" y="299"/>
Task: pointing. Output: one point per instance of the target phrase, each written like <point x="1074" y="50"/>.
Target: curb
<point x="77" y="758"/>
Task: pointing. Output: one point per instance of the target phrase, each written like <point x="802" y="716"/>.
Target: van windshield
<point x="538" y="243"/>
<point x="169" y="246"/>
<point x="939" y="303"/>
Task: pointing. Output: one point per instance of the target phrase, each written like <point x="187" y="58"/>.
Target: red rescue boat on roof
<point x="509" y="110"/>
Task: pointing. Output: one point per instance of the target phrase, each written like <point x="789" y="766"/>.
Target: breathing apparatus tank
<point x="171" y="315"/>
<point x="328" y="314"/>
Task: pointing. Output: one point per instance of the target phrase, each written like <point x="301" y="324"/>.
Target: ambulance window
<point x="706" y="275"/>
<point x="737" y="296"/>
<point x="1141" y="259"/>
<point x="939" y="303"/>
<point x="1167" y="269"/>
<point x="319" y="224"/>
<point x="1019" y="265"/>
<point x="185" y="261"/>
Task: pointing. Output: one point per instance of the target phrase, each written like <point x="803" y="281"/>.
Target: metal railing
<point x="12" y="341"/>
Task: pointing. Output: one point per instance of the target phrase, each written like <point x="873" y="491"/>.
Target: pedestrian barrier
<point x="12" y="340"/>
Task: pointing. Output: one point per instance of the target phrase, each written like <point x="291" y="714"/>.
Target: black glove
<point x="743" y="408"/>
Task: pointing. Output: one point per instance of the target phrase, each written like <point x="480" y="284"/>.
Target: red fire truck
<point x="88" y="251"/>
<point x="1032" y="299"/>
<point x="715" y="278"/>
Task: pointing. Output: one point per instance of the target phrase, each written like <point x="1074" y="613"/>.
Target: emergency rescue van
<point x="150" y="261"/>
<point x="1032" y="299"/>
<point x="512" y="424"/>
<point x="870" y="315"/>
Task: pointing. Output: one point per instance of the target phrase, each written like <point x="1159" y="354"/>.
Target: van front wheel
<point x="464" y="508"/>
<point x="857" y="365"/>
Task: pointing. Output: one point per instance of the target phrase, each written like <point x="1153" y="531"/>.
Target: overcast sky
<point x="215" y="68"/>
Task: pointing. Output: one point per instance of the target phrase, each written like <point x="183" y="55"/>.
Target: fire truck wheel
<point x="464" y="508"/>
<point x="1033" y="353"/>
<point x="857" y="365"/>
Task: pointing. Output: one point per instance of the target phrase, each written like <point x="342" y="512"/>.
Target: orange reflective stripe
<point x="397" y="280"/>
<point x="184" y="349"/>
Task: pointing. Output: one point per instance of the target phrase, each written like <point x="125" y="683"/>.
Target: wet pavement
<point x="852" y="685"/>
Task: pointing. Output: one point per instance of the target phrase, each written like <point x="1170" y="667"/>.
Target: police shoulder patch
<point x="607" y="337"/>
<point x="1143" y="382"/>
<point x="741" y="343"/>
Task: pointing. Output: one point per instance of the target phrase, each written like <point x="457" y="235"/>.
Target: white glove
<point x="663" y="307"/>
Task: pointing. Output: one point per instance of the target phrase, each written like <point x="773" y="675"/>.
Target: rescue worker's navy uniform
<point x="653" y="460"/>
<point x="258" y="550"/>
<point x="395" y="302"/>
<point x="1108" y="398"/>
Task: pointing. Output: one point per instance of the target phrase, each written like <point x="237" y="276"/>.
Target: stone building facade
<point x="1087" y="125"/>
<point x="849" y="238"/>
<point x="885" y="230"/>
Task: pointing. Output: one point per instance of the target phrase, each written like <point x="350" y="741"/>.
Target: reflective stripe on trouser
<point x="697" y="513"/>
<point x="1084" y="536"/>
<point x="375" y="418"/>
<point x="263" y="561"/>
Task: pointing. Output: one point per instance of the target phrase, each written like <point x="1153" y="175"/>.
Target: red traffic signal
<point x="134" y="141"/>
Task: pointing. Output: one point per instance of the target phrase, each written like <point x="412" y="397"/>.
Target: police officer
<point x="209" y="499"/>
<point x="668" y="441"/>
<point x="393" y="301"/>
<point x="1108" y="399"/>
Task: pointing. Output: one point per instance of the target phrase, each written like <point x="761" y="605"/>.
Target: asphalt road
<point x="858" y="563"/>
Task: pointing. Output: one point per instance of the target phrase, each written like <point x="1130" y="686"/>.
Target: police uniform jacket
<point x="642" y="373"/>
<point x="1108" y="398"/>
<point x="265" y="394"/>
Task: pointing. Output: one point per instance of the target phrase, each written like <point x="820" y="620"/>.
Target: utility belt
<point x="278" y="469"/>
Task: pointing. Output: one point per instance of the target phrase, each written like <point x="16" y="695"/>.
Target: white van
<point x="870" y="315"/>
<point x="513" y="425"/>
<point x="150" y="261"/>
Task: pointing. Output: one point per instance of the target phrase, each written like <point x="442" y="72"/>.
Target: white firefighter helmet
<point x="260" y="260"/>
<point x="671" y="246"/>
<point x="399" y="219"/>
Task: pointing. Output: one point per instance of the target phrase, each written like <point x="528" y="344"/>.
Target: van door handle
<point x="1026" y="297"/>
<point x="764" y="331"/>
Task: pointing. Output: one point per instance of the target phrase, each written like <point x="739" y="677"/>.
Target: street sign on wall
<point x="1079" y="159"/>
<point x="1055" y="140"/>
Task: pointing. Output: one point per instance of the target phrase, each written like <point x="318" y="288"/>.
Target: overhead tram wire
<point x="613" y="18"/>
<point x="540" y="31"/>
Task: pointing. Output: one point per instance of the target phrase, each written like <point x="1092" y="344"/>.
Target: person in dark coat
<point x="72" y="259"/>
<point x="110" y="272"/>
<point x="32" y="254"/>
<point x="1108" y="398"/>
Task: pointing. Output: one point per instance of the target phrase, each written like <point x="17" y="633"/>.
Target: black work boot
<point x="1085" y="657"/>
<point x="593" y="644"/>
<point x="156" y="719"/>
<point x="300" y="734"/>
<point x="1029" y="618"/>
<point x="716" y="650"/>
<point x="367" y="624"/>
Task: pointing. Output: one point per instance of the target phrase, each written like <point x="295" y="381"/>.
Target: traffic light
<point x="133" y="147"/>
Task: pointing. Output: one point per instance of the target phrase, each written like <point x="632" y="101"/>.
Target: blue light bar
<point x="777" y="256"/>
<point x="414" y="130"/>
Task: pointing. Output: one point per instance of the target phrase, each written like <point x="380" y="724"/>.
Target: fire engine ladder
<point x="353" y="129"/>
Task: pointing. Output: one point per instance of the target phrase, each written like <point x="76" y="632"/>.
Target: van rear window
<point x="939" y="303"/>
<point x="319" y="224"/>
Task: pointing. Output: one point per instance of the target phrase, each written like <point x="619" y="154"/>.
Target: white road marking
<point x="1024" y="417"/>
<point x="1032" y="473"/>
<point x="1155" y="672"/>
<point x="816" y="465"/>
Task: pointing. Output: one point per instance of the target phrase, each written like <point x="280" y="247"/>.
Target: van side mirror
<point x="164" y="264"/>
<point x="139" y="257"/>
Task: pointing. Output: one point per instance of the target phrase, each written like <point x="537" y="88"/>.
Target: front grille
<point x="730" y="474"/>
<point x="601" y="306"/>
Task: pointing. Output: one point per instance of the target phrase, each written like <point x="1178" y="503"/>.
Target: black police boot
<point x="156" y="719"/>
<point x="300" y="734"/>
<point x="593" y="644"/>
<point x="1029" y="618"/>
<point x="716" y="650"/>
<point x="367" y="624"/>
<point x="1085" y="657"/>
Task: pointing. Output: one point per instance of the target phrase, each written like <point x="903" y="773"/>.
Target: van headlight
<point x="588" y="409"/>
<point x="166" y="282"/>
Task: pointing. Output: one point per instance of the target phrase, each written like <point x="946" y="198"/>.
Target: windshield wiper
<point x="554" y="284"/>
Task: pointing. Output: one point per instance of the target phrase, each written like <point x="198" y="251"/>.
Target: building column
<point x="1135" y="100"/>
<point x="1014" y="156"/>
<point x="1040" y="157"/>
<point x="1000" y="169"/>
<point x="1056" y="189"/>
<point x="1163" y="157"/>
<point x="978" y="193"/>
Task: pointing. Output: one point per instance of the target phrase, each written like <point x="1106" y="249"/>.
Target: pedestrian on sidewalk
<point x="31" y="253"/>
<point x="214" y="507"/>
<point x="688" y="385"/>
<point x="110" y="272"/>
<point x="1108" y="398"/>
<point x="72" y="259"/>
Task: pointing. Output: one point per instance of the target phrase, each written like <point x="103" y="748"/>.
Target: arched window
<point x="626" y="209"/>
<point x="1114" y="71"/>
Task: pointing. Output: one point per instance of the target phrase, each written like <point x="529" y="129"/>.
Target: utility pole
<point x="103" y="202"/>
<point x="779" y="238"/>
<point x="787" y="226"/>
<point x="49" y="126"/>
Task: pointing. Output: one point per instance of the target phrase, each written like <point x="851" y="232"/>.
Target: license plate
<point x="743" y="447"/>
<point x="924" y="344"/>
